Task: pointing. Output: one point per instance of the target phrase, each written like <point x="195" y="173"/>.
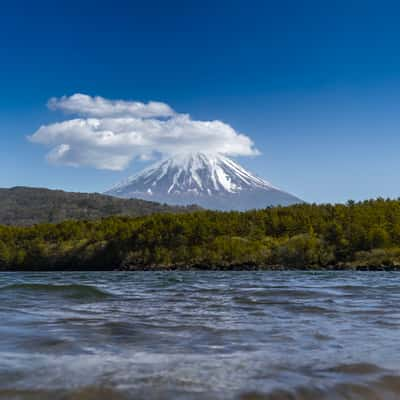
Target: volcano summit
<point x="211" y="181"/>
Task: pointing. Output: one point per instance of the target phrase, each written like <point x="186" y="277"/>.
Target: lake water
<point x="200" y="335"/>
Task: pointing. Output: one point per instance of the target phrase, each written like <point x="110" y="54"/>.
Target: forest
<point x="305" y="236"/>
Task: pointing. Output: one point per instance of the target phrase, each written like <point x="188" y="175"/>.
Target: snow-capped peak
<point x="195" y="172"/>
<point x="210" y="180"/>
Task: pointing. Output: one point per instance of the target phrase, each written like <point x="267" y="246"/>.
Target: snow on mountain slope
<point x="209" y="180"/>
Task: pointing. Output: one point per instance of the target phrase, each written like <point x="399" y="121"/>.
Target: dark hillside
<point x="25" y="206"/>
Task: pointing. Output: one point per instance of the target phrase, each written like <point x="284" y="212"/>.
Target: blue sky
<point x="314" y="84"/>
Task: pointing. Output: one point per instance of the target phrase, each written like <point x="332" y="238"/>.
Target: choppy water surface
<point x="200" y="335"/>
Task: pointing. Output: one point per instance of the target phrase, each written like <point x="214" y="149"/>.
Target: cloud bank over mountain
<point x="109" y="134"/>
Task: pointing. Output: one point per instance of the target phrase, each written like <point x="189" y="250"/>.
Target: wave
<point x="71" y="291"/>
<point x="88" y="393"/>
<point x="385" y="388"/>
<point x="356" y="368"/>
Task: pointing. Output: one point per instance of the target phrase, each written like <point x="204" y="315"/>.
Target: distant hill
<point x="28" y="206"/>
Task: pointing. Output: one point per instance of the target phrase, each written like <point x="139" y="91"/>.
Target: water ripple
<point x="200" y="335"/>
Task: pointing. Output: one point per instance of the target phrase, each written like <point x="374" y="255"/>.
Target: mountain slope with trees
<point x="354" y="235"/>
<point x="24" y="206"/>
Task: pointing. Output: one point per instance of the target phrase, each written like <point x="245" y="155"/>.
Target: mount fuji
<point x="211" y="181"/>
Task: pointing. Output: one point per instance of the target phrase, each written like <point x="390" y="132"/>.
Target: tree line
<point x="351" y="235"/>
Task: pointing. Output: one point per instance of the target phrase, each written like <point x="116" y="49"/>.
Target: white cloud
<point x="85" y="105"/>
<point x="116" y="132"/>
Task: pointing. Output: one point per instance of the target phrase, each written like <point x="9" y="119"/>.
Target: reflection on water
<point x="200" y="335"/>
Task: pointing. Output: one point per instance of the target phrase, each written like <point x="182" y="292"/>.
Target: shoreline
<point x="203" y="267"/>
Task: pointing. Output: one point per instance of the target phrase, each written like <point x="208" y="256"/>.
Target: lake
<point x="200" y="335"/>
